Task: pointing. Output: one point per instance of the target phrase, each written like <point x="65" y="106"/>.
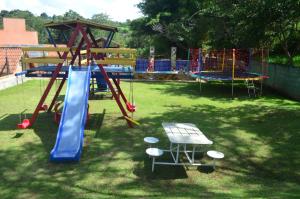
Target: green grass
<point x="278" y="59"/>
<point x="259" y="137"/>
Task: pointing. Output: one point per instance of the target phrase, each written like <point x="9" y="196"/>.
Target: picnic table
<point x="184" y="138"/>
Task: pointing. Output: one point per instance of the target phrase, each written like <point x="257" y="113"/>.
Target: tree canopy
<point x="273" y="24"/>
<point x="220" y="24"/>
<point x="37" y="23"/>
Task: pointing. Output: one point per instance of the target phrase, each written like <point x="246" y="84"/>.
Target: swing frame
<point x="80" y="29"/>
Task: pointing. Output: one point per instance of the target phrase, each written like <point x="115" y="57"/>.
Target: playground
<point x="83" y="116"/>
<point x="258" y="136"/>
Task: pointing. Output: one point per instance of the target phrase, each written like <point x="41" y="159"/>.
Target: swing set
<point x="81" y="49"/>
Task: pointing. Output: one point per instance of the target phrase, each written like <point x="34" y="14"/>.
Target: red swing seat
<point x="24" y="124"/>
<point x="130" y="107"/>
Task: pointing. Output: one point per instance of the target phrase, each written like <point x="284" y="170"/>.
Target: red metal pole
<point x="64" y="79"/>
<point x="114" y="93"/>
<point x="119" y="82"/>
<point x="120" y="92"/>
<point x="54" y="76"/>
<point x="84" y="35"/>
<point x="57" y="93"/>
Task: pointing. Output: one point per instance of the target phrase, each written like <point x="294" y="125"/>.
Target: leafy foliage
<point x="221" y="24"/>
<point x="197" y="24"/>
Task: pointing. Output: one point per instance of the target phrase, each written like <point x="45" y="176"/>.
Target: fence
<point x="161" y="65"/>
<point x="284" y="79"/>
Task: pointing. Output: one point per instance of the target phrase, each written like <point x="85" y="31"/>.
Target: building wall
<point x="14" y="33"/>
<point x="10" y="60"/>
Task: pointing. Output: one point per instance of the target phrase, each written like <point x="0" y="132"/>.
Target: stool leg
<point x="214" y="163"/>
<point x="150" y="147"/>
<point x="153" y="162"/>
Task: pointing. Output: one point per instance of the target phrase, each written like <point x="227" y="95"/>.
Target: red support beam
<point x="120" y="92"/>
<point x="64" y="79"/>
<point x="115" y="95"/>
<point x="53" y="78"/>
<point x="89" y="45"/>
<point x="77" y="52"/>
<point x="57" y="93"/>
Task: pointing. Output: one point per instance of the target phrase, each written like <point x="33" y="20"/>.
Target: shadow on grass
<point x="219" y="91"/>
<point x="101" y="96"/>
<point x="260" y="144"/>
<point x="45" y="127"/>
<point x="257" y="140"/>
<point x="144" y="169"/>
<point x="18" y="135"/>
<point x="9" y="122"/>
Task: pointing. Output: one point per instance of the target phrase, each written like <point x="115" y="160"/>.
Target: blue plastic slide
<point x="69" y="140"/>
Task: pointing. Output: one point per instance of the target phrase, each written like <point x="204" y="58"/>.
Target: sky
<point x="118" y="10"/>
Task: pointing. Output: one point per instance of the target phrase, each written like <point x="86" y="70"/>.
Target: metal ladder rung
<point x="251" y="86"/>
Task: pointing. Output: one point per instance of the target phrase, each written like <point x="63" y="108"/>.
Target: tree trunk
<point x="287" y="53"/>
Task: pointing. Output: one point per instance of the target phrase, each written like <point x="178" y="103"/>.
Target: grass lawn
<point x="259" y="137"/>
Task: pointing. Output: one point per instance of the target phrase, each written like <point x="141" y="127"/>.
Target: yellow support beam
<point x="114" y="50"/>
<point x="84" y="61"/>
<point x="83" y="52"/>
<point x="132" y="120"/>
<point x="43" y="60"/>
<point x="127" y="62"/>
<point x="248" y="78"/>
<point x="211" y="71"/>
<point x="119" y="59"/>
<point x="48" y="49"/>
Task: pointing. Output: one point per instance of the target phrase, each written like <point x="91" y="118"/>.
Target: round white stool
<point x="215" y="155"/>
<point x="154" y="152"/>
<point x="151" y="140"/>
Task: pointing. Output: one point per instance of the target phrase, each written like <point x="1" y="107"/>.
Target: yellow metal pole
<point x="262" y="69"/>
<point x="233" y="62"/>
<point x="223" y="61"/>
<point x="233" y="65"/>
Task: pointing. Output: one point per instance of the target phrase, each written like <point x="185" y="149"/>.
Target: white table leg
<point x="171" y="152"/>
<point x="193" y="154"/>
<point x="153" y="162"/>
<point x="177" y="155"/>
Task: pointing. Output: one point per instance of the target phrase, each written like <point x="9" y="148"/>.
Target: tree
<point x="261" y="23"/>
<point x="37" y="23"/>
<point x="72" y="15"/>
<point x="101" y="18"/>
<point x="223" y="23"/>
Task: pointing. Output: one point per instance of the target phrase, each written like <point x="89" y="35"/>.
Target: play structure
<point x="225" y="65"/>
<point x="172" y="65"/>
<point x="80" y="60"/>
<point x="232" y="66"/>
